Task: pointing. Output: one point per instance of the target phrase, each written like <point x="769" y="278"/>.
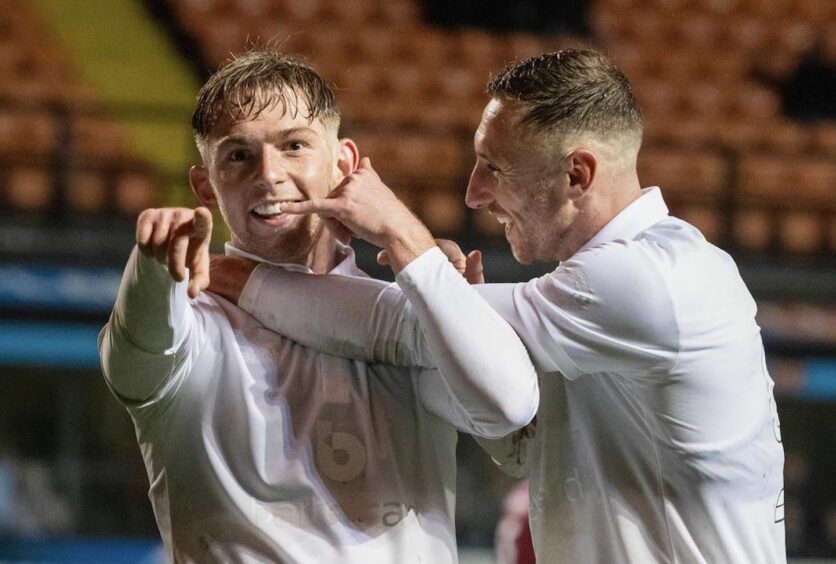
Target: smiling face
<point x="253" y="164"/>
<point x="521" y="183"/>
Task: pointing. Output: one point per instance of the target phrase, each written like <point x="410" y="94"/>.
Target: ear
<point x="583" y="165"/>
<point x="202" y="187"/>
<point x="348" y="157"/>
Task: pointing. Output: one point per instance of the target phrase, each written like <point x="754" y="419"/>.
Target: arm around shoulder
<point x="481" y="361"/>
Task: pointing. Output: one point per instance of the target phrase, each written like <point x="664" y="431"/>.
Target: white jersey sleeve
<point x="439" y="320"/>
<point x="144" y="346"/>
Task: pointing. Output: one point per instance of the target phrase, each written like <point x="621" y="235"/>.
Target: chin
<point x="524" y="260"/>
<point x="521" y="255"/>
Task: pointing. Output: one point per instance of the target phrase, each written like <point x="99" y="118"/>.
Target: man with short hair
<point x="257" y="448"/>
<point x="657" y="437"/>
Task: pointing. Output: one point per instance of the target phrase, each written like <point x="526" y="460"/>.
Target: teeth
<point x="503" y="220"/>
<point x="269" y="209"/>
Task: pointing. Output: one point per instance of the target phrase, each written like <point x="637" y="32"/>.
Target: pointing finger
<point x="160" y="237"/>
<point x="177" y="247"/>
<point x="144" y="230"/>
<point x="197" y="258"/>
<point x="202" y="223"/>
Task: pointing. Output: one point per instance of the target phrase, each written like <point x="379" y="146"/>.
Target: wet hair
<point x="260" y="80"/>
<point x="571" y="91"/>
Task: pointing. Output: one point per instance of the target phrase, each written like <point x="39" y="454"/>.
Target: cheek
<point x="317" y="180"/>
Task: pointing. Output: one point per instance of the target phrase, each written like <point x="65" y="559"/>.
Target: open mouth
<point x="269" y="210"/>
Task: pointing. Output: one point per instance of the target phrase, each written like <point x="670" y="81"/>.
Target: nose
<point x="478" y="194"/>
<point x="271" y="169"/>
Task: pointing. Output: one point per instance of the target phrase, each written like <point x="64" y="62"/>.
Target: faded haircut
<point x="576" y="91"/>
<point x="257" y="81"/>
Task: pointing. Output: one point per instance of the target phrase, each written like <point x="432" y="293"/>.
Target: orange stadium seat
<point x="823" y="137"/>
<point x="97" y="136"/>
<point x="800" y="232"/>
<point x="704" y="218"/>
<point x="86" y="191"/>
<point x="134" y="192"/>
<point x="753" y="229"/>
<point x="791" y="182"/>
<point x="29" y="188"/>
<point x="690" y="175"/>
<point x="443" y="210"/>
<point x="26" y="131"/>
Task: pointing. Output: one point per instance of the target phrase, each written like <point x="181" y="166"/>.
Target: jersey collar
<point x="647" y="210"/>
<point x="347" y="266"/>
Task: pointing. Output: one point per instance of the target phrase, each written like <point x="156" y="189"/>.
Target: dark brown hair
<point x="571" y="91"/>
<point x="259" y="80"/>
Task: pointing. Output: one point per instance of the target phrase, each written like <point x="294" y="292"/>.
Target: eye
<point x="238" y="155"/>
<point x="294" y="146"/>
<point x="491" y="168"/>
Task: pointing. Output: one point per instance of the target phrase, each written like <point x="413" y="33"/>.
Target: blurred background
<point x="95" y="105"/>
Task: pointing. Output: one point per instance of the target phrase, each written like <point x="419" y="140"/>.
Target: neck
<point x="323" y="257"/>
<point x="602" y="205"/>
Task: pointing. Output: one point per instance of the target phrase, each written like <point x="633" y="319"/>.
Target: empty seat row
<point x="33" y="188"/>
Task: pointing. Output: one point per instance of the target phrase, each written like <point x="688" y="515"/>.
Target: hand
<point x="469" y="266"/>
<point x="367" y="208"/>
<point x="178" y="238"/>
<point x="229" y="275"/>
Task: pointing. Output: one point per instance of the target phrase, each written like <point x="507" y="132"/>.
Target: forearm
<point x="480" y="358"/>
<point x="138" y="344"/>
<point x="350" y="317"/>
<point x="444" y="323"/>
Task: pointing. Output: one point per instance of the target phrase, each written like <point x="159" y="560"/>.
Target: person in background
<point x="513" y="533"/>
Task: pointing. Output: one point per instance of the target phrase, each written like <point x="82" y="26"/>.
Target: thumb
<point x="365" y="164"/>
<point x="474" y="272"/>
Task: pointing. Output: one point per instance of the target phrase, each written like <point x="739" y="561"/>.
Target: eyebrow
<point x="278" y="134"/>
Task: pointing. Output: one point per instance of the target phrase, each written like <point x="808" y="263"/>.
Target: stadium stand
<point x="59" y="152"/>
<point x="411" y="93"/>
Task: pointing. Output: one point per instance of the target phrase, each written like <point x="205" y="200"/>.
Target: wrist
<point x="405" y="246"/>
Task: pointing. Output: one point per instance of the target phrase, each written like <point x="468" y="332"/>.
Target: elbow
<point x="518" y="413"/>
<point x="510" y="411"/>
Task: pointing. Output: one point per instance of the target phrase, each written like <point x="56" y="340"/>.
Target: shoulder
<point x="622" y="286"/>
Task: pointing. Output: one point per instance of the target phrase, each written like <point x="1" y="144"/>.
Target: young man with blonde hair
<point x="257" y="448"/>
<point x="657" y="437"/>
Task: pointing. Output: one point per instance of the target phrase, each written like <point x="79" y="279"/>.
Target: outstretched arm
<point x="142" y="342"/>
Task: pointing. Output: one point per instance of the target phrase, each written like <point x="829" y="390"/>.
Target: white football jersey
<point x="259" y="449"/>
<point x="657" y="437"/>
